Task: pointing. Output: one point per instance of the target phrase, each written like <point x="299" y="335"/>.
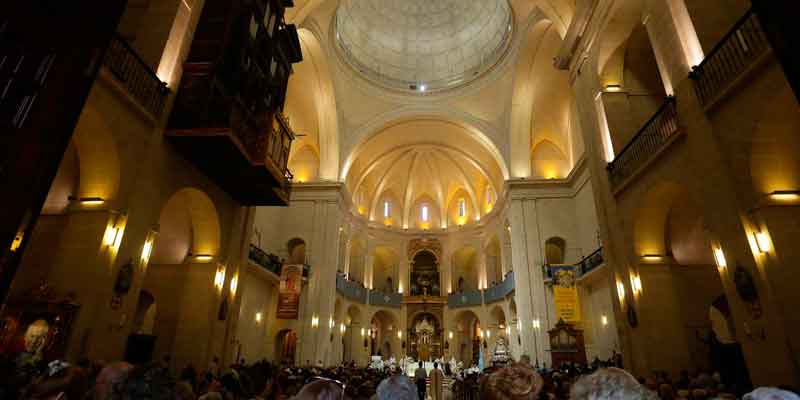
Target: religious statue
<point x="501" y="355"/>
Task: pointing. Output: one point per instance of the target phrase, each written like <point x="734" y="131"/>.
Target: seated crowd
<point x="263" y="380"/>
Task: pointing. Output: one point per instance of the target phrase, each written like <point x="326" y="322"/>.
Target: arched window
<point x="425" y="215"/>
<point x="462" y="208"/>
<point x="387" y="209"/>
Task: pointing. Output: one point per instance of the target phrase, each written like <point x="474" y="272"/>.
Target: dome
<point x="422" y="45"/>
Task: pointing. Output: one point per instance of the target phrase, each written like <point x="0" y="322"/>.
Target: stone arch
<point x="98" y="157"/>
<point x="467" y="336"/>
<point x="296" y="249"/>
<point x="386" y="269"/>
<point x="494" y="261"/>
<point x="774" y="159"/>
<point x="471" y="208"/>
<point x="554" y="250"/>
<point x="478" y="130"/>
<point x="465" y="265"/>
<point x="548" y="161"/>
<point x="383" y="325"/>
<point x="304" y="164"/>
<point x="188" y="224"/>
<point x="318" y="87"/>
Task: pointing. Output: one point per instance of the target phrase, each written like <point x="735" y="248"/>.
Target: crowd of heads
<point x="264" y="380"/>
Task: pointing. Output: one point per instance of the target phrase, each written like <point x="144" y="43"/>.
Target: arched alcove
<point x="425" y="275"/>
<point x="296" y="248"/>
<point x="466" y="341"/>
<point x="188" y="223"/>
<point x="554" y="250"/>
<point x="465" y="269"/>
<point x="548" y="161"/>
<point x="385" y="269"/>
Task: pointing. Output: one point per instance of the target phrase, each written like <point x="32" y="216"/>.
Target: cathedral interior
<point x="318" y="182"/>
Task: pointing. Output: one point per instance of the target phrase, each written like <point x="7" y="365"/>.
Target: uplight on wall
<point x="400" y="287"/>
<point x="785" y="195"/>
<point x="636" y="284"/>
<point x="203" y="257"/>
<point x="399" y="334"/>
<point x="331" y="323"/>
<point x="614" y="87"/>
<point x="480" y="333"/>
<point x="450" y="335"/>
<point x="91" y="201"/>
<point x="314" y="321"/>
<point x="258" y="317"/>
<point x="342" y="328"/>
<point x="362" y="332"/>
<point x="17" y="242"/>
<point x="762" y="241"/>
<point x="719" y="257"/>
<point x="536" y="324"/>
<point x="604" y="320"/>
<point x="508" y="331"/>
<point x="621" y="291"/>
<point x="652" y="257"/>
<point x="234" y="284"/>
<point x="219" y="278"/>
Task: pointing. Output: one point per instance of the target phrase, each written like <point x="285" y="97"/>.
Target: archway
<point x="386" y="270"/>
<point x="425" y="274"/>
<point x="352" y="337"/>
<point x="188" y="225"/>
<point x="296" y="248"/>
<point x="554" y="250"/>
<point x="467" y="338"/>
<point x="383" y="340"/>
<point x="286" y="346"/>
<point x="425" y="337"/>
<point x="494" y="262"/>
<point x="465" y="270"/>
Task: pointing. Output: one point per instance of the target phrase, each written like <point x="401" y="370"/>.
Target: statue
<point x="501" y="355"/>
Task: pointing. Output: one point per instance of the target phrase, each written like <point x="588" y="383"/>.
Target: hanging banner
<point x="289" y="291"/>
<point x="565" y="294"/>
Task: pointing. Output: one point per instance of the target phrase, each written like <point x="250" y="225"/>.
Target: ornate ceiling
<point x="422" y="45"/>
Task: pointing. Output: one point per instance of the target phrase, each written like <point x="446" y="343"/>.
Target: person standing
<point x="437" y="378"/>
<point x="420" y="376"/>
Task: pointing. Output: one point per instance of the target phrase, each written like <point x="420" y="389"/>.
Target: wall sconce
<point x="762" y="242"/>
<point x="258" y="317"/>
<point x="203" y="257"/>
<point x="613" y="88"/>
<point x="480" y="333"/>
<point x="400" y="287"/>
<point x="785" y="195"/>
<point x="219" y="278"/>
<point x="488" y="334"/>
<point x="636" y="284"/>
<point x="450" y="335"/>
<point x="88" y="201"/>
<point x="331" y="323"/>
<point x="362" y="332"/>
<point x="508" y="331"/>
<point x="652" y="257"/>
<point x="17" y="242"/>
<point x="604" y="320"/>
<point x="314" y="321"/>
<point x="719" y="257"/>
<point x="399" y="334"/>
<point x="537" y="324"/>
<point x="342" y="328"/>
<point x="621" y="291"/>
<point x="234" y="284"/>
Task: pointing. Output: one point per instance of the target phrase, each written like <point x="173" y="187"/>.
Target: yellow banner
<point x="567" y="306"/>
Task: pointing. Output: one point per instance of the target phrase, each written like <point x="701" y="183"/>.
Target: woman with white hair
<point x="770" y="393"/>
<point x="397" y="387"/>
<point x="610" y="384"/>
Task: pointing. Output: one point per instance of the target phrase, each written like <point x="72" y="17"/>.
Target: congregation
<point x="87" y="380"/>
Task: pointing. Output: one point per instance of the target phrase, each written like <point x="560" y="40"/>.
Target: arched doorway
<point x="467" y="338"/>
<point x="383" y="341"/>
<point x="286" y="346"/>
<point x="425" y="274"/>
<point x="425" y="337"/>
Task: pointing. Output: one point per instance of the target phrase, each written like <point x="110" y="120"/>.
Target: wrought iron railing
<point x="381" y="298"/>
<point x="467" y="298"/>
<point x="655" y="133"/>
<point x="590" y="262"/>
<point x="136" y="76"/>
<point x="499" y="291"/>
<point x="270" y="262"/>
<point x="739" y="49"/>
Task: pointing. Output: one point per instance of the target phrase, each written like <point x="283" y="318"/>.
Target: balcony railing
<point x="381" y="298"/>
<point x="270" y="262"/>
<point x="653" y="136"/>
<point x="737" y="51"/>
<point x="590" y="262"/>
<point x="136" y="76"/>
<point x="467" y="298"/>
<point x="583" y="267"/>
<point x="351" y="290"/>
<point x="500" y="291"/>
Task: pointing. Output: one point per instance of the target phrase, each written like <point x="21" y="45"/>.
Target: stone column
<point x="673" y="39"/>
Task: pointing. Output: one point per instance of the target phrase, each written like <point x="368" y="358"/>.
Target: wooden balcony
<point x="741" y="49"/>
<point x="653" y="138"/>
<point x="248" y="160"/>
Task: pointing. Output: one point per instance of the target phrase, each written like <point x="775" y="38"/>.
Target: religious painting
<point x="289" y="292"/>
<point x="36" y="328"/>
